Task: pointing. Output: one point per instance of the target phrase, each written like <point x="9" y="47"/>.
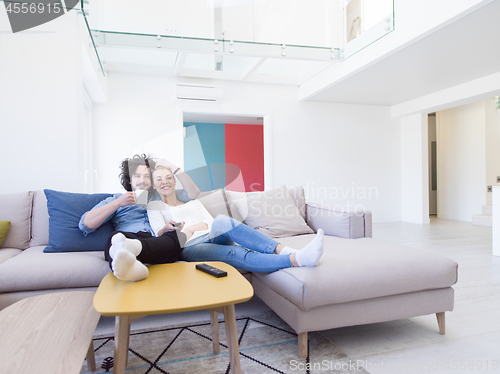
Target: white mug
<point x="141" y="197"/>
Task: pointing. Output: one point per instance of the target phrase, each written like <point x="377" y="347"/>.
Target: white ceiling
<point x="202" y="65"/>
<point x="465" y="50"/>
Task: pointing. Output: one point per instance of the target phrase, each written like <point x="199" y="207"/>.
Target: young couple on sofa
<point x="147" y="235"/>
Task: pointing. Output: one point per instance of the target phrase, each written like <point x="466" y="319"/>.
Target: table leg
<point x="122" y="334"/>
<point x="232" y="338"/>
<point x="91" y="357"/>
<point x="214" y="321"/>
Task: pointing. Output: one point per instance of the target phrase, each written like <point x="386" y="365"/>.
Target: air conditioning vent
<point x="195" y="92"/>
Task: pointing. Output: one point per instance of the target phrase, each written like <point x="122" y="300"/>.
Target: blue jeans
<point x="255" y="251"/>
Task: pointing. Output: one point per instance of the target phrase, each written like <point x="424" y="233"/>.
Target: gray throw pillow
<point x="214" y="202"/>
<point x="272" y="212"/>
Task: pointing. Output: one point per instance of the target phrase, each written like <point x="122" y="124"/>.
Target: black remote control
<point x="218" y="273"/>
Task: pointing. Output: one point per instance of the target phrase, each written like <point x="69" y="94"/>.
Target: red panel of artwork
<point x="245" y="149"/>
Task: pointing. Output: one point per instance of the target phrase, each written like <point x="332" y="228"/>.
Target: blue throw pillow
<point x="65" y="210"/>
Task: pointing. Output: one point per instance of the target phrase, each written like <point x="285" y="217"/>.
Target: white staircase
<point x="484" y="219"/>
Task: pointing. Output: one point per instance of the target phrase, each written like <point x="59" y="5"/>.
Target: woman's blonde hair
<point x="161" y="167"/>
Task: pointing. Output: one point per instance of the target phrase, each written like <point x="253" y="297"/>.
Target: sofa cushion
<point x="35" y="270"/>
<point x="299" y="198"/>
<point x="8" y="253"/>
<point x="359" y="269"/>
<point x="16" y="208"/>
<point x="215" y="202"/>
<point x="271" y="212"/>
<point x="39" y="220"/>
<point x="235" y="212"/>
<point x="4" y="230"/>
<point x="65" y="210"/>
<point x="339" y="221"/>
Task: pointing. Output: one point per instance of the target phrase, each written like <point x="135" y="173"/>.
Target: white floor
<point x="472" y="340"/>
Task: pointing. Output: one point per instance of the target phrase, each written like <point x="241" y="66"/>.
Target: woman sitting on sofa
<point x="209" y="239"/>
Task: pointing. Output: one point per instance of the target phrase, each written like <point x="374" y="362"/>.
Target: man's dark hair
<point x="130" y="165"/>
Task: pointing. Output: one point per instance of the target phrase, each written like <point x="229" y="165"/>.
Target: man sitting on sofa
<point x="130" y="219"/>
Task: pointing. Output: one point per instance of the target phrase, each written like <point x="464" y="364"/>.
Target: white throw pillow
<point x="214" y="202"/>
<point x="217" y="202"/>
<point x="239" y="200"/>
<point x="272" y="212"/>
<point x="299" y="198"/>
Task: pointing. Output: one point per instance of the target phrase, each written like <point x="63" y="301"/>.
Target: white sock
<point x="119" y="242"/>
<point x="311" y="253"/>
<point x="126" y="267"/>
<point x="287" y="250"/>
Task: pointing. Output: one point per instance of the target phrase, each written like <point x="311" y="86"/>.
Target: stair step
<point x="482" y="220"/>
<point x="487" y="210"/>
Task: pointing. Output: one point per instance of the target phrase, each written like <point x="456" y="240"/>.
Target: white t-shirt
<point x="191" y="213"/>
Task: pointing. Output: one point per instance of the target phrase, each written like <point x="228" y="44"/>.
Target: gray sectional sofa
<point x="25" y="270"/>
<point x="359" y="280"/>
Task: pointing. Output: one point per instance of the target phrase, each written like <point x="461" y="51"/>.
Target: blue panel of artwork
<point x="204" y="145"/>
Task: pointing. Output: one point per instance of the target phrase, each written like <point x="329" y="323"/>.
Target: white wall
<point x="375" y="11"/>
<point x="154" y="17"/>
<point x="414" y="169"/>
<point x="461" y="161"/>
<point x="492" y="145"/>
<point x="496" y="221"/>
<point x="41" y="106"/>
<point x="340" y="153"/>
<point x="312" y="22"/>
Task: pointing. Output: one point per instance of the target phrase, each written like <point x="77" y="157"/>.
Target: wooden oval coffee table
<point x="48" y="334"/>
<point x="173" y="288"/>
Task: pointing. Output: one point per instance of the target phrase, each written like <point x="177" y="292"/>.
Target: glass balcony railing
<point x="253" y="40"/>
